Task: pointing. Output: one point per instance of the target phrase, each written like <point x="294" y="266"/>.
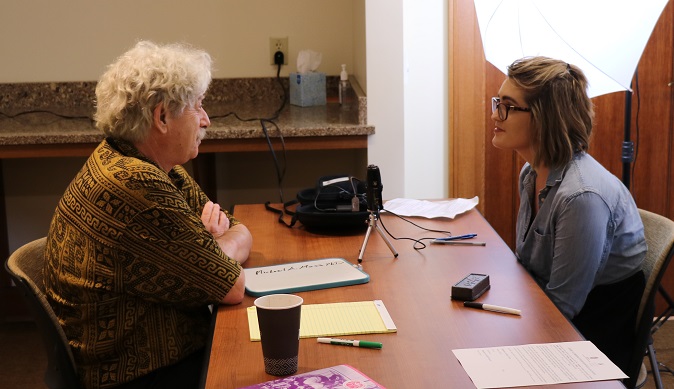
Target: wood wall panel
<point x="652" y="184"/>
<point x="466" y="121"/>
<point x="501" y="196"/>
<point x="608" y="131"/>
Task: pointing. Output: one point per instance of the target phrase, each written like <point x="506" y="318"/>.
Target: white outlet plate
<point x="278" y="44"/>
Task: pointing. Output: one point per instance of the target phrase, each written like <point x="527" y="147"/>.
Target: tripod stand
<point x="372" y="224"/>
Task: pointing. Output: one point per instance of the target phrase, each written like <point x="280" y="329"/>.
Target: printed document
<point x="537" y="364"/>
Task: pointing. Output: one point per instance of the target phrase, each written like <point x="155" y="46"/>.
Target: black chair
<point x="659" y="232"/>
<point x="25" y="267"/>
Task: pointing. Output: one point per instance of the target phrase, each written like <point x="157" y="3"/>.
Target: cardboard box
<point x="307" y="89"/>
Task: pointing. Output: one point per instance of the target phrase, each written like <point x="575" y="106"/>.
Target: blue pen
<point x="465" y="236"/>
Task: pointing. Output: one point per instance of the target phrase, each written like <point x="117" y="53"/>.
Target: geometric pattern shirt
<point x="130" y="268"/>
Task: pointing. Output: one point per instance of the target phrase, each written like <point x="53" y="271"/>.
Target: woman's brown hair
<point x="562" y="112"/>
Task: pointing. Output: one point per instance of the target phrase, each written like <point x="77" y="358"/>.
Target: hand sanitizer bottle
<point x="343" y="83"/>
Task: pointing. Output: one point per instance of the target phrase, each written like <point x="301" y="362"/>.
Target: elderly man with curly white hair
<point x="136" y="252"/>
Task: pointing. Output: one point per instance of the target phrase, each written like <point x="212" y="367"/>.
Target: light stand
<point x="373" y="225"/>
<point x="627" y="145"/>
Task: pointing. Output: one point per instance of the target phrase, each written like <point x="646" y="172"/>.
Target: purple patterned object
<point x="336" y="377"/>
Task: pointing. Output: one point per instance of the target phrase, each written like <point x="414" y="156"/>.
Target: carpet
<point x="23" y="360"/>
<point x="663" y="341"/>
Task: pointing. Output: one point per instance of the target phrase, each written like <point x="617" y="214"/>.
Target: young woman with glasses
<point x="578" y="229"/>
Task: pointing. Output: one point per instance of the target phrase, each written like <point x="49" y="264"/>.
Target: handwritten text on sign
<point x="291" y="268"/>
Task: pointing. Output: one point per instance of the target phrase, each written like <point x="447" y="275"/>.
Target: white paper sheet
<point x="430" y="209"/>
<point x="537" y="364"/>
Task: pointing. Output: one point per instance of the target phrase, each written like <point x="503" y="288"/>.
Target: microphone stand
<point x="373" y="225"/>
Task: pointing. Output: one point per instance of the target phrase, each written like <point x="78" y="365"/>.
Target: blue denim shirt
<point x="587" y="232"/>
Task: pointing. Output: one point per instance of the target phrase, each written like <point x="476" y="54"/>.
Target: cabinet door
<point x="12" y="304"/>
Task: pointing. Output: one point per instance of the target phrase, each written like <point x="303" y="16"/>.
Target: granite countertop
<point x="60" y="113"/>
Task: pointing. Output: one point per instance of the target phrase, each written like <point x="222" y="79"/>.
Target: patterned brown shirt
<point x="130" y="268"/>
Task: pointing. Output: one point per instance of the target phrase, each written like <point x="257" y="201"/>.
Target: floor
<point x="22" y="359"/>
<point x="663" y="341"/>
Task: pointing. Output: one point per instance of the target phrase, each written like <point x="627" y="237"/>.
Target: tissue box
<point x="307" y="89"/>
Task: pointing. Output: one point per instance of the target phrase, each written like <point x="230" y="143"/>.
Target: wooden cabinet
<point x="477" y="168"/>
<point x="12" y="304"/>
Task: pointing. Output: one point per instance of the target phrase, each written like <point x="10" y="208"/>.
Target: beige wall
<point x="73" y="40"/>
<point x="359" y="48"/>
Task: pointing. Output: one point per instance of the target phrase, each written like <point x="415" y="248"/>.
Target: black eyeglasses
<point x="503" y="109"/>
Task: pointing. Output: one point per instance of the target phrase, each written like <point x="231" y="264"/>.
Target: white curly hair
<point x="174" y="75"/>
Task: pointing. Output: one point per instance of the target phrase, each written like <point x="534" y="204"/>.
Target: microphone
<point x="374" y="189"/>
<point x="375" y="204"/>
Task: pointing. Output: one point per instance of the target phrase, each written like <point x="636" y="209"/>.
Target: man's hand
<point x="214" y="219"/>
<point x="235" y="241"/>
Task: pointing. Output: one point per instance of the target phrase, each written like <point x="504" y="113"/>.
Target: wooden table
<point x="416" y="289"/>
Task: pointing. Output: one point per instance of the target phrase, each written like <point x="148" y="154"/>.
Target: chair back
<point x="659" y="233"/>
<point x="25" y="266"/>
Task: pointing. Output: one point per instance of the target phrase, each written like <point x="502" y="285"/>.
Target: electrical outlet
<point x="278" y="44"/>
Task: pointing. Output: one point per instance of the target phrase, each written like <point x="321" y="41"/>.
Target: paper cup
<point x="278" y="316"/>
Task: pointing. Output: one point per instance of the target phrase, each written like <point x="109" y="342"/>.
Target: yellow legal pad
<point x="360" y="317"/>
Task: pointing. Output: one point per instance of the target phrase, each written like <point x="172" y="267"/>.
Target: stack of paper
<point x="361" y="317"/>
